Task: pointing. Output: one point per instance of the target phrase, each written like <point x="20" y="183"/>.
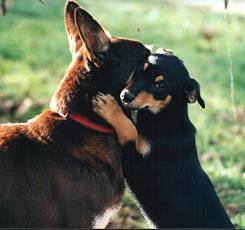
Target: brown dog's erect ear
<point x="193" y="93"/>
<point x="74" y="39"/>
<point x="96" y="40"/>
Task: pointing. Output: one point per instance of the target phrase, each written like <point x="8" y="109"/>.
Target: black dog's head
<point x="161" y="81"/>
<point x="101" y="63"/>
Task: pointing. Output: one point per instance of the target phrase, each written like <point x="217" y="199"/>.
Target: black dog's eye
<point x="159" y="84"/>
<point x="159" y="81"/>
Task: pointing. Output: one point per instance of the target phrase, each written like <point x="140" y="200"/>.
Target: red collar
<point x="90" y="124"/>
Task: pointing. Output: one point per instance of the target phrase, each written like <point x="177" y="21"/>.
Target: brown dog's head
<point x="162" y="81"/>
<point x="100" y="63"/>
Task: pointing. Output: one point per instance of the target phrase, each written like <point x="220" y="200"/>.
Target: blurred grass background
<point x="34" y="56"/>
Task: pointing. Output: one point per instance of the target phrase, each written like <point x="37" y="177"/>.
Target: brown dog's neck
<point x="67" y="137"/>
<point x="74" y="93"/>
<point x="51" y="127"/>
<point x="71" y="92"/>
<point x="87" y="122"/>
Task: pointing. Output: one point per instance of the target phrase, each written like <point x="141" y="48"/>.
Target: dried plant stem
<point x="3" y="7"/>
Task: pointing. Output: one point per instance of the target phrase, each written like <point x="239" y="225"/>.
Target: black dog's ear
<point x="96" y="39"/>
<point x="193" y="94"/>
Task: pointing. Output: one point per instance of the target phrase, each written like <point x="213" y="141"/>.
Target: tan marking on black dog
<point x="144" y="147"/>
<point x="159" y="78"/>
<point x="146" y="65"/>
<point x="192" y="96"/>
<point x="145" y="99"/>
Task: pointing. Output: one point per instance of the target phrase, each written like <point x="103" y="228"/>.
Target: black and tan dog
<point x="168" y="180"/>
<point x="62" y="168"/>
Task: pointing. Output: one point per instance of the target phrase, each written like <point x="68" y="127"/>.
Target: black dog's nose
<point x="127" y="96"/>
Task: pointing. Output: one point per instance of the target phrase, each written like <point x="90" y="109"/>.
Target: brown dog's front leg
<point x="107" y="107"/>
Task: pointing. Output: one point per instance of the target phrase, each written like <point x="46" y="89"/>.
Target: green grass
<point x="34" y="56"/>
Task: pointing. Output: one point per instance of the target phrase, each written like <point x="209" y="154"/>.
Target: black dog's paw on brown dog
<point x="107" y="107"/>
<point x="63" y="168"/>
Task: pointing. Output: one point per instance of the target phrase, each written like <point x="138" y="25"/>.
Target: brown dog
<point x="62" y="168"/>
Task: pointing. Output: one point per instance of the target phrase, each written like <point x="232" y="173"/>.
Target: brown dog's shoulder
<point x="39" y="130"/>
<point x="9" y="134"/>
<point x="44" y="126"/>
